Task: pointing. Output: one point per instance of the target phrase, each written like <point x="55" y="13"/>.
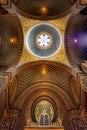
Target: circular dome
<point x="44" y="9"/>
<point x="76" y="39"/>
<point x="11" y="40"/>
<point x="43" y="40"/>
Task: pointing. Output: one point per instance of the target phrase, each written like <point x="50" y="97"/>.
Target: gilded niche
<point x="44" y="112"/>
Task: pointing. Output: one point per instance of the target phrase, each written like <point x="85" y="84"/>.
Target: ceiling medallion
<point x="43" y="40"/>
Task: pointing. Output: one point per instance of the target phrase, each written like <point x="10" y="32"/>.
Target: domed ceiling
<point x="43" y="40"/>
<point x="76" y="39"/>
<point x="11" y="40"/>
<point x="44" y="9"/>
<point x="30" y="26"/>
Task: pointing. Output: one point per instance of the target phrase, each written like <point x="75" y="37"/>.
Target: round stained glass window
<point x="43" y="40"/>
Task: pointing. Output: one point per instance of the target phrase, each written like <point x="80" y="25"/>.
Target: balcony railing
<point x="53" y="124"/>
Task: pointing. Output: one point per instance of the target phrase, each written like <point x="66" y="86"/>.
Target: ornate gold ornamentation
<point x="43" y="107"/>
<point x="60" y="24"/>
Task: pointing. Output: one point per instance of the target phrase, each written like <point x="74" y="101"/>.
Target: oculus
<point x="44" y="40"/>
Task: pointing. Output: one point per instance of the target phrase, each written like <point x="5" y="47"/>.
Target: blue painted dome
<point x="43" y="40"/>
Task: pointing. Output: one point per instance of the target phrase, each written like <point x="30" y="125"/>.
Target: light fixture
<point x="44" y="10"/>
<point x="44" y="70"/>
<point x="75" y="40"/>
<point x="2" y="10"/>
<point x="12" y="40"/>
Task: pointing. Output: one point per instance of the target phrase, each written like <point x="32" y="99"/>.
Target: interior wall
<point x="3" y="102"/>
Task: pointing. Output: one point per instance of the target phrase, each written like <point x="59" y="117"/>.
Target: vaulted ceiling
<point x="11" y="40"/>
<point x="44" y="9"/>
<point x="43" y="76"/>
<point x="75" y="38"/>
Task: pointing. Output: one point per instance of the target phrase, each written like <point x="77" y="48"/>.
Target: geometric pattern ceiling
<point x="44" y="9"/>
<point x="76" y="39"/>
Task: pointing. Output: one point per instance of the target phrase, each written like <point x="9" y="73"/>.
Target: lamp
<point x="44" y="10"/>
<point x="12" y="40"/>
